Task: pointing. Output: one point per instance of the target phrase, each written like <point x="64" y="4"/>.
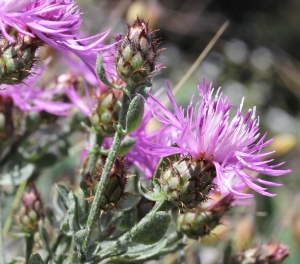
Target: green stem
<point x="28" y="247"/>
<point x="95" y="208"/>
<point x="95" y="142"/>
<point x="163" y="205"/>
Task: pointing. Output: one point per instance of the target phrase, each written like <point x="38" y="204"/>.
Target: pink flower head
<point x="55" y="22"/>
<point x="205" y="132"/>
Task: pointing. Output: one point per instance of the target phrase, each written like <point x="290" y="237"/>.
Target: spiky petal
<point x="205" y="132"/>
<point x="55" y="22"/>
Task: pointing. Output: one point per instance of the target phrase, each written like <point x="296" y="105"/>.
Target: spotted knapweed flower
<point x="205" y="133"/>
<point x="55" y="22"/>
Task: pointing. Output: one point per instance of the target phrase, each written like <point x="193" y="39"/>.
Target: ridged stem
<point x="95" y="208"/>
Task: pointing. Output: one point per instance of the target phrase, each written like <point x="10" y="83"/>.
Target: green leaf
<point x="63" y="193"/>
<point x="17" y="260"/>
<point x="51" y="217"/>
<point x="65" y="228"/>
<point x="151" y="195"/>
<point x="128" y="202"/>
<point x="227" y="253"/>
<point x="35" y="258"/>
<point x="79" y="238"/>
<point x="147" y="252"/>
<point x="101" y="72"/>
<point x="152" y="230"/>
<point x="128" y="220"/>
<point x="73" y="213"/>
<point x="126" y="145"/>
<point x="135" y="113"/>
<point x="145" y="90"/>
<point x="45" y="238"/>
<point x="16" y="177"/>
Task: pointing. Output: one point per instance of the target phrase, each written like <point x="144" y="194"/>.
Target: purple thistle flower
<point x="205" y="132"/>
<point x="29" y="97"/>
<point x="55" y="22"/>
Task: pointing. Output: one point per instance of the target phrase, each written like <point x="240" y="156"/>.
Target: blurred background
<point x="256" y="57"/>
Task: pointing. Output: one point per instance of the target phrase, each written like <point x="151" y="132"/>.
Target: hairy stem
<point x="94" y="212"/>
<point x="95" y="142"/>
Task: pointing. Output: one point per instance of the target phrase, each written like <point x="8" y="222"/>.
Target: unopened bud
<point x="137" y="54"/>
<point x="117" y="182"/>
<point x="201" y="222"/>
<point x="264" y="254"/>
<point x="186" y="182"/>
<point x="31" y="210"/>
<point x="17" y="59"/>
<point x="106" y="114"/>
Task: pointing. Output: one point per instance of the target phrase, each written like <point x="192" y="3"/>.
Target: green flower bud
<point x="264" y="254"/>
<point x="117" y="182"/>
<point x="106" y="114"/>
<point x="17" y="59"/>
<point x="137" y="54"/>
<point x="186" y="182"/>
<point x="31" y="210"/>
<point x="201" y="222"/>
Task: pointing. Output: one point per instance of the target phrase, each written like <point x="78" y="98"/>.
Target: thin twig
<point x="199" y="59"/>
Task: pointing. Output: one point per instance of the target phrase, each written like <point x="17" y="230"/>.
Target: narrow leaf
<point x="63" y="193"/>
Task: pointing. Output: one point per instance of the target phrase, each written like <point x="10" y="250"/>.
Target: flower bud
<point x="31" y="210"/>
<point x="201" y="222"/>
<point x="17" y="59"/>
<point x="106" y="113"/>
<point x="264" y="254"/>
<point x="115" y="189"/>
<point x="137" y="54"/>
<point x="186" y="182"/>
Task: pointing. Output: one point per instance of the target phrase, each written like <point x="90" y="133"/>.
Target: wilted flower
<point x="205" y="132"/>
<point x="55" y="22"/>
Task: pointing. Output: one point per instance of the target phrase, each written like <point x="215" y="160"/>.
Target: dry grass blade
<point x="199" y="59"/>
